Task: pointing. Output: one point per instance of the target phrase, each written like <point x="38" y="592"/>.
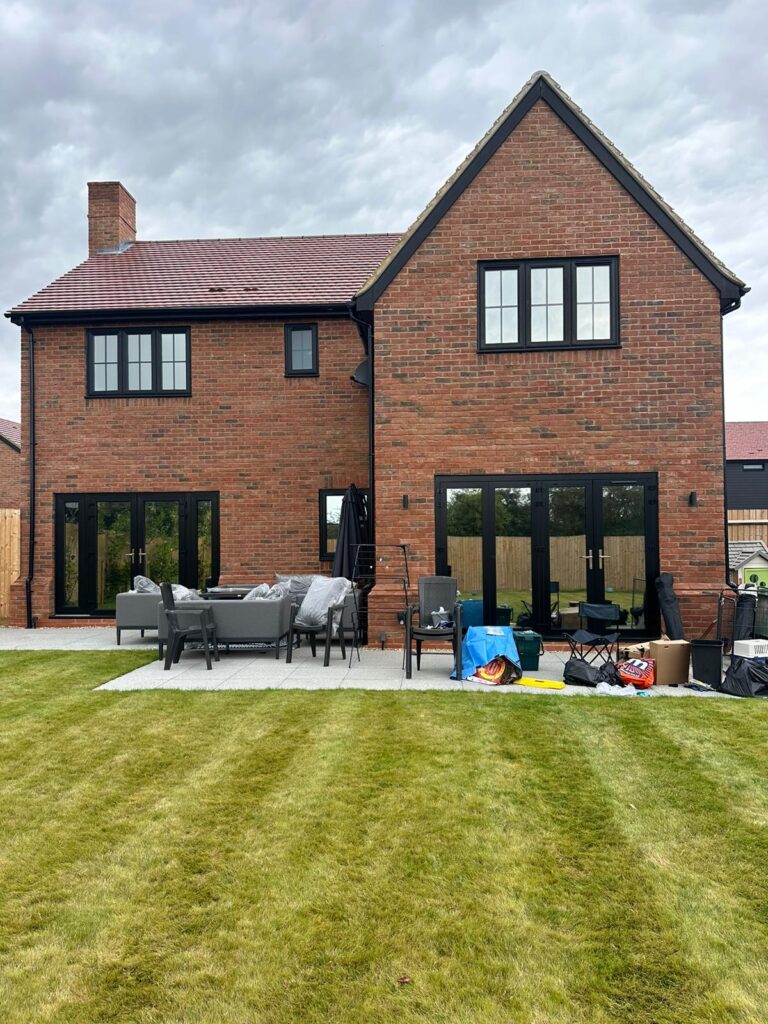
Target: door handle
<point x="142" y="555"/>
<point x="129" y="554"/>
<point x="602" y="557"/>
<point x="589" y="559"/>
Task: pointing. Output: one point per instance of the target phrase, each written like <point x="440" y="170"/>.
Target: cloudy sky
<point x="311" y="116"/>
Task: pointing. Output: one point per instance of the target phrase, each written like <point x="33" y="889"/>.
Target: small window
<point x="301" y="350"/>
<point x="330" y="519"/>
<point x="127" y="363"/>
<point x="548" y="303"/>
<point x="752" y="465"/>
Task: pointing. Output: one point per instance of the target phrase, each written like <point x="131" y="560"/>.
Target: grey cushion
<point x="299" y="585"/>
<point x="261" y="591"/>
<point x="322" y="594"/>
<point x="144" y="585"/>
<point x="182" y="593"/>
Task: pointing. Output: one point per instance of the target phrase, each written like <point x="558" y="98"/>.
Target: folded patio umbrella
<point x="353" y="531"/>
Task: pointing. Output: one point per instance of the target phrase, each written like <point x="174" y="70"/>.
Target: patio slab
<point x="251" y="670"/>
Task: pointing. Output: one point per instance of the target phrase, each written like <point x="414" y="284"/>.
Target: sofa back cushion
<point x="144" y="585"/>
<point x="258" y="592"/>
<point x="299" y="585"/>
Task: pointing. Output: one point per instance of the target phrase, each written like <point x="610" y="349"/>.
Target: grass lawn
<point x="223" y="858"/>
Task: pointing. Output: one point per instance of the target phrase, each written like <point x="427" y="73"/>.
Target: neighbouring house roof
<point x="744" y="441"/>
<point x="10" y="431"/>
<point x="742" y="551"/>
<point x="216" y="273"/>
<point x="542" y="86"/>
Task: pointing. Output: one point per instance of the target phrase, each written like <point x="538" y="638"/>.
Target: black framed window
<point x="563" y="303"/>
<point x="301" y="350"/>
<point x="330" y="518"/>
<point x="145" y="361"/>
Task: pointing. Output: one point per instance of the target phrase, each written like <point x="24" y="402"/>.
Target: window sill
<point x="139" y="394"/>
<point x="503" y="349"/>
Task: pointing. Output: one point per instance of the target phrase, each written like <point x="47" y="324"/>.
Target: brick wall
<point x="11" y="471"/>
<point x="267" y="443"/>
<point x="653" y="405"/>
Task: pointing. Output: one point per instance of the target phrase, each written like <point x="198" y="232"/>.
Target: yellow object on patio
<point x="541" y="684"/>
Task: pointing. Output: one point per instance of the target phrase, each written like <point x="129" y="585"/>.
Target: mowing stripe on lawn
<point x="81" y="879"/>
<point x="133" y="956"/>
<point x="708" y="862"/>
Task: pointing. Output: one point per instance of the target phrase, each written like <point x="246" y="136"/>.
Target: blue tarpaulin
<point x="484" y="643"/>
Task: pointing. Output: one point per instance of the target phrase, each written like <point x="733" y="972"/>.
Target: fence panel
<point x="10" y="556"/>
<point x="748" y="524"/>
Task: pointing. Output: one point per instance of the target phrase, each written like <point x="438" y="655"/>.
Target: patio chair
<point x="327" y="621"/>
<point x="592" y="647"/>
<point x="187" y="624"/>
<point x="435" y="592"/>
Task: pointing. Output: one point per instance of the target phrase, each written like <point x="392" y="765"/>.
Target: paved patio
<point x="249" y="670"/>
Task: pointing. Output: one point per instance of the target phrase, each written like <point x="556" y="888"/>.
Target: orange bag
<point x="640" y="672"/>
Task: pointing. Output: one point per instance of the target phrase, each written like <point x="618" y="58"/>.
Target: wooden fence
<point x="625" y="560"/>
<point x="10" y="556"/>
<point x="748" y="524"/>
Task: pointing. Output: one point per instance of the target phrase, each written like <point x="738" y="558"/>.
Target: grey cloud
<point x="302" y="117"/>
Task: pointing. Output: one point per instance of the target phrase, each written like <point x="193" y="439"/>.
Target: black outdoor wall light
<point x="693" y="499"/>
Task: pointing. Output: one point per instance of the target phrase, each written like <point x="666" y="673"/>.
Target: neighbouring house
<point x="528" y="381"/>
<point x="11" y="487"/>
<point x="748" y="563"/>
<point x="746" y="465"/>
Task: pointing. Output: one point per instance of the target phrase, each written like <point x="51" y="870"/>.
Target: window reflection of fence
<point x="513" y="561"/>
<point x="10" y="556"/>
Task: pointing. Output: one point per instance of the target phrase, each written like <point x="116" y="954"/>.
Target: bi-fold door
<point x="531" y="548"/>
<point x="104" y="540"/>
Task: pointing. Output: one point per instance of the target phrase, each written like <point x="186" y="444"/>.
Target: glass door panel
<point x="114" y="552"/>
<point x="568" y="554"/>
<point x="71" y="542"/>
<point x="622" y="556"/>
<point x="160" y="550"/>
<point x="514" y="585"/>
<point x="464" y="520"/>
<point x="204" y="543"/>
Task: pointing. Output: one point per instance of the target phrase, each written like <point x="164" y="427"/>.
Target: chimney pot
<point x="111" y="216"/>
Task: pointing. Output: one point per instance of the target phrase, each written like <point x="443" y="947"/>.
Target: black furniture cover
<point x="745" y="677"/>
<point x="744" y="617"/>
<point x="670" y="607"/>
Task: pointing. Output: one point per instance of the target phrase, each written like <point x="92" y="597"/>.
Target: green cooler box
<point x="529" y="647"/>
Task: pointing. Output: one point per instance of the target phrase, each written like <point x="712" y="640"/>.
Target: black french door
<point x="528" y="549"/>
<point x="103" y="540"/>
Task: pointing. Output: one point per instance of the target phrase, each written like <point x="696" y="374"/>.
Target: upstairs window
<point x="125" y="363"/>
<point x="566" y="303"/>
<point x="301" y="350"/>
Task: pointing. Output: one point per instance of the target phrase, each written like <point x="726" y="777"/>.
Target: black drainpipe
<point x="31" y="621"/>
<point x="366" y="327"/>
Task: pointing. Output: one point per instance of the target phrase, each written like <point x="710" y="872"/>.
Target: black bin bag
<point x="745" y="677"/>
<point x="578" y="673"/>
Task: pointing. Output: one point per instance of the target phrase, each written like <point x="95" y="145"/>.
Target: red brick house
<point x="11" y="468"/>
<point x="529" y="382"/>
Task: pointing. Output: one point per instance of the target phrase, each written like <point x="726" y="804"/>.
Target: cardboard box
<point x="636" y="651"/>
<point x="673" y="660"/>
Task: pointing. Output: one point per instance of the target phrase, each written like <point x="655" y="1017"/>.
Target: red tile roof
<point x="11" y="431"/>
<point x="305" y="270"/>
<point x="746" y="440"/>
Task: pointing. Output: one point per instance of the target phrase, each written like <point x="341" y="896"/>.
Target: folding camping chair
<point x="592" y="647"/>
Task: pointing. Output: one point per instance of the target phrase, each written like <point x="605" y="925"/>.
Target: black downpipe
<point x="31" y="621"/>
<point x="725" y="475"/>
<point x="368" y="342"/>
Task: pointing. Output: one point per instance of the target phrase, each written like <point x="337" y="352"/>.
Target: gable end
<point x="542" y="87"/>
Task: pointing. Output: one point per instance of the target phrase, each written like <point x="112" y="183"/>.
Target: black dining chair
<point x="196" y="624"/>
<point x="435" y="592"/>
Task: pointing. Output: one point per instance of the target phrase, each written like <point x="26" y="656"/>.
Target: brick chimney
<point x="111" y="215"/>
